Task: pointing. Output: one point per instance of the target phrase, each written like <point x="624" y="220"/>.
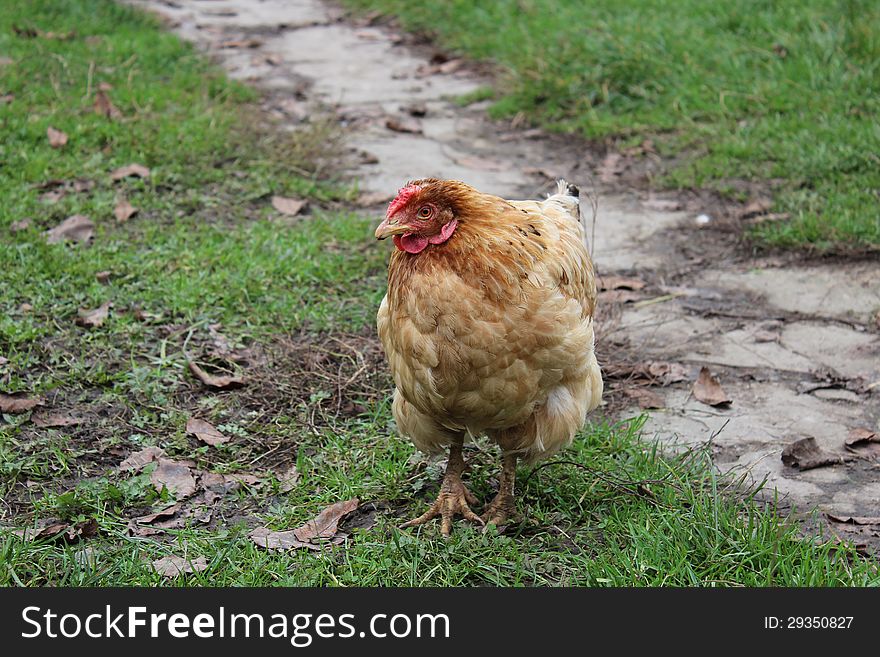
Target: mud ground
<point x="795" y="343"/>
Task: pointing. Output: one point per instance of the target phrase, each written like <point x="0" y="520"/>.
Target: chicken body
<point x="488" y="328"/>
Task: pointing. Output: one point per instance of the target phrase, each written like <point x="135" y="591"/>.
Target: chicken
<point x="488" y="329"/>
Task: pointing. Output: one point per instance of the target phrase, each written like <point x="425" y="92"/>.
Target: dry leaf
<point x="289" y="479"/>
<point x="174" y="476"/>
<point x="855" y="520"/>
<point x="138" y="460"/>
<point x="861" y="436"/>
<point x="60" y="530"/>
<point x="272" y="540"/>
<point x="404" y="125"/>
<point x="372" y="199"/>
<point x="104" y="106"/>
<point x="136" y="170"/>
<point x="14" y="404"/>
<point x="241" y="43"/>
<point x="618" y="296"/>
<point x="805" y="454"/>
<point x="103" y="277"/>
<point x="289" y="206"/>
<point x="167" y="512"/>
<point x="205" y="432"/>
<point x="94" y="318"/>
<point x="708" y="390"/>
<point x="218" y="382"/>
<point x="57" y="139"/>
<point x="5" y="99"/>
<point x="77" y="228"/>
<point x="479" y="163"/>
<point x="755" y="207"/>
<point x="49" y="420"/>
<point x="21" y="224"/>
<point x="417" y="109"/>
<point x="172" y="566"/>
<point x="645" y="398"/>
<point x="124" y="210"/>
<point x="620" y="283"/>
<point x="325" y="524"/>
<point x="663" y="205"/>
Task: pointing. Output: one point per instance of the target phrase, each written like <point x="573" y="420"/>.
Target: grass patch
<point x="204" y="271"/>
<point x="745" y="89"/>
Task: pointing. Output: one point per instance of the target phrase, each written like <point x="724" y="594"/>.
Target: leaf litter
<point x="77" y="228"/>
<point x="317" y="533"/>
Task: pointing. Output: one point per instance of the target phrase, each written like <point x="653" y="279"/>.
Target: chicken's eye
<point x="425" y="212"/>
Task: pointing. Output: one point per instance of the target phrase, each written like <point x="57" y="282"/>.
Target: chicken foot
<point x="503" y="506"/>
<point x="454" y="497"/>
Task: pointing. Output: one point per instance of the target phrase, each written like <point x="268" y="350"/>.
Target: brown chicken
<point x="488" y="329"/>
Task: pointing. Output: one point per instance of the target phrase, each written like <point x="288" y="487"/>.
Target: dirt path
<point x="796" y="347"/>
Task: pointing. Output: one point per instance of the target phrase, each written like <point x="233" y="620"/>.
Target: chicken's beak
<point x="388" y="228"/>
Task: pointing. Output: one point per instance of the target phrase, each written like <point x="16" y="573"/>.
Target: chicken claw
<point x="503" y="506"/>
<point x="454" y="497"/>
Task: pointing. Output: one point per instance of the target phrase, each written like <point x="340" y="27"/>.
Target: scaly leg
<point x="454" y="496"/>
<point x="504" y="505"/>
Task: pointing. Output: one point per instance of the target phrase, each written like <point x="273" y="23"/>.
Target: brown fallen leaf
<point x="854" y="520"/>
<point x="288" y="479"/>
<point x="103" y="277"/>
<point x="772" y="216"/>
<point x="21" y="224"/>
<point x="104" y="106"/>
<point x="227" y="483"/>
<point x="77" y="228"/>
<point x="668" y="372"/>
<point x="284" y="540"/>
<point x="218" y="382"/>
<point x="205" y="432"/>
<point x="135" y="170"/>
<point x="5" y="99"/>
<point x="861" y="436"/>
<point x="124" y="210"/>
<point x="138" y="460"/>
<point x="173" y="566"/>
<point x="404" y="125"/>
<point x="241" y="43"/>
<point x="51" y="420"/>
<point x="150" y="518"/>
<point x="805" y="454"/>
<point x="94" y="318"/>
<point x="663" y="205"/>
<point x="618" y="296"/>
<point x="479" y="163"/>
<point x="645" y="398"/>
<point x="417" y="109"/>
<point x="174" y="476"/>
<point x="373" y="199"/>
<point x="14" y="404"/>
<point x="64" y="531"/>
<point x="708" y="390"/>
<point x="620" y="283"/>
<point x="3" y="360"/>
<point x="326" y="523"/>
<point x="57" y="138"/>
<point x="288" y="206"/>
<point x="25" y="308"/>
<point x="755" y="207"/>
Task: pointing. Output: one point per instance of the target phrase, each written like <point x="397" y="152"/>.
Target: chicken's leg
<point x="454" y="496"/>
<point x="504" y="504"/>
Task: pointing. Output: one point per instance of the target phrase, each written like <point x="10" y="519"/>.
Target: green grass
<point x="782" y="92"/>
<point x="299" y="298"/>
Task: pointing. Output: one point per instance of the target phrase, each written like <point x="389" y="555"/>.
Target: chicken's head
<point x="416" y="218"/>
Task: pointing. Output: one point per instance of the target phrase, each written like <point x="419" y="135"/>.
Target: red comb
<point x="404" y="195"/>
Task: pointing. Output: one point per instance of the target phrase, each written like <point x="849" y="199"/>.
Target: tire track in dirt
<point x="795" y="346"/>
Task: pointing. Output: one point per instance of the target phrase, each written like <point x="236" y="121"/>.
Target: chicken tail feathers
<point x="567" y="189"/>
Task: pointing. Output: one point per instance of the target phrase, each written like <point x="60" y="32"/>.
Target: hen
<point x="488" y="329"/>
